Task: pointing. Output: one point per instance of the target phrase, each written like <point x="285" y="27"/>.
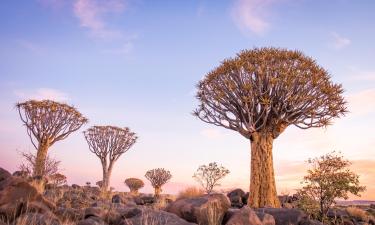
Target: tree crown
<point x="109" y="142"/>
<point x="134" y="183"/>
<point x="158" y="177"/>
<point x="48" y="121"/>
<point x="209" y="175"/>
<point x="268" y="89"/>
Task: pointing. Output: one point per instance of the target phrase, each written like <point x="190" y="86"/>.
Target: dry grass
<point x="190" y="192"/>
<point x="358" y="213"/>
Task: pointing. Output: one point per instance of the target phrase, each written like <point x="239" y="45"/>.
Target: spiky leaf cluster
<point x="158" y="177"/>
<point x="268" y="89"/>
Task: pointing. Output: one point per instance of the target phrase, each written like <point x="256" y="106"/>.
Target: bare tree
<point x="134" y="185"/>
<point x="209" y="175"/>
<point x="50" y="166"/>
<point x="48" y="122"/>
<point x="259" y="94"/>
<point x="158" y="177"/>
<point x="108" y="143"/>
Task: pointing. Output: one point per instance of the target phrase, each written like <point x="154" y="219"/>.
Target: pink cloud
<point x="92" y="14"/>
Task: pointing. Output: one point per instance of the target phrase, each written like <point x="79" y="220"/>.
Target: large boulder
<point x="4" y="174"/>
<point x="143" y="215"/>
<point x="244" y="216"/>
<point x="284" y="216"/>
<point x="204" y="210"/>
<point x="236" y="198"/>
<point x="16" y="195"/>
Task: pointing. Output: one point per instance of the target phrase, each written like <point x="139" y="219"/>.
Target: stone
<point x="284" y="216"/>
<point x="117" y="199"/>
<point x="245" y="216"/>
<point x="310" y="222"/>
<point x="142" y="216"/>
<point x="92" y="221"/>
<point x="94" y="212"/>
<point x="236" y="197"/>
<point x="266" y="219"/>
<point x="204" y="210"/>
<point x="4" y="174"/>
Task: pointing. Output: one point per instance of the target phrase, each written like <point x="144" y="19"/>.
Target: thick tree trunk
<point x="262" y="178"/>
<point x="157" y="191"/>
<point x="40" y="161"/>
<point x="106" y="176"/>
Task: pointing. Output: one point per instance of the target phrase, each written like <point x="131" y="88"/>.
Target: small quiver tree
<point x="209" y="175"/>
<point x="259" y="94"/>
<point x="329" y="178"/>
<point x="57" y="179"/>
<point x="108" y="143"/>
<point x="134" y="184"/>
<point x="46" y="123"/>
<point x="158" y="177"/>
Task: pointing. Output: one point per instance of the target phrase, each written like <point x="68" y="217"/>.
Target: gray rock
<point x="207" y="209"/>
<point x="284" y="216"/>
<point x="236" y="197"/>
<point x="92" y="221"/>
<point x="245" y="216"/>
<point x="37" y="219"/>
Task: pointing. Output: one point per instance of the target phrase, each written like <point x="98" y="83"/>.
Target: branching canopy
<point x="209" y="175"/>
<point x="158" y="177"/>
<point x="266" y="90"/>
<point x="48" y="121"/>
<point x="109" y="142"/>
<point x="134" y="183"/>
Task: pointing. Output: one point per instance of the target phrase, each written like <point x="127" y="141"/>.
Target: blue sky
<point x="135" y="63"/>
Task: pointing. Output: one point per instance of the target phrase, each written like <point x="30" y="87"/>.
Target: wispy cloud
<point x="339" y="41"/>
<point x="251" y="15"/>
<point x="92" y="15"/>
<point x="362" y="102"/>
<point x="30" y="46"/>
<point x="41" y="94"/>
<point x="211" y="133"/>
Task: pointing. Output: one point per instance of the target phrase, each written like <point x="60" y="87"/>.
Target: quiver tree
<point x="158" y="177"/>
<point x="50" y="166"/>
<point x="209" y="175"/>
<point x="48" y="122"/>
<point x="259" y="94"/>
<point x="57" y="179"/>
<point x="108" y="143"/>
<point x="134" y="185"/>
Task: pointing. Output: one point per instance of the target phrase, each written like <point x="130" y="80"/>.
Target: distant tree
<point x="108" y="143"/>
<point x="99" y="183"/>
<point x="259" y="94"/>
<point x="88" y="184"/>
<point x="57" y="179"/>
<point x="158" y="177"/>
<point x="209" y="175"/>
<point x="48" y="122"/>
<point x="328" y="179"/>
<point x="134" y="185"/>
<point x="50" y="166"/>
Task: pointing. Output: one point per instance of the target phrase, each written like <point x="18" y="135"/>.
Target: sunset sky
<point x="135" y="63"/>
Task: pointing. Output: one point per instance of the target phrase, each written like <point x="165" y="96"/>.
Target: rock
<point x="245" y="198"/>
<point x="15" y="196"/>
<point x="337" y="213"/>
<point x="228" y="214"/>
<point x="284" y="216"/>
<point x="76" y="186"/>
<point x="148" y="200"/>
<point x="37" y="219"/>
<point x="65" y="214"/>
<point x="236" y="197"/>
<point x="4" y="174"/>
<point x="94" y="212"/>
<point x="372" y="206"/>
<point x="207" y="209"/>
<point x="266" y="219"/>
<point x="117" y="199"/>
<point x="245" y="216"/>
<point x="92" y="221"/>
<point x="142" y="216"/>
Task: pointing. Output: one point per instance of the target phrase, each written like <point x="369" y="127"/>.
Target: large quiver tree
<point x="108" y="143"/>
<point x="261" y="92"/>
<point x="47" y="122"/>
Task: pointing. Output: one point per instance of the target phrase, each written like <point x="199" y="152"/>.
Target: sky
<point x="135" y="63"/>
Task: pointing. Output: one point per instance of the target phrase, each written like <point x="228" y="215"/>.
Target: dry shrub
<point x="190" y="192"/>
<point x="357" y="213"/>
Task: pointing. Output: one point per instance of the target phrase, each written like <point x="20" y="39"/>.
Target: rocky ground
<point x="22" y="203"/>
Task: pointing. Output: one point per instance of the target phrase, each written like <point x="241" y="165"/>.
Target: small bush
<point x="190" y="192"/>
<point x="357" y="213"/>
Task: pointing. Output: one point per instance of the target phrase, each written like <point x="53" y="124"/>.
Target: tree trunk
<point x="262" y="178"/>
<point x="157" y="191"/>
<point x="40" y="160"/>
<point x="106" y="176"/>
